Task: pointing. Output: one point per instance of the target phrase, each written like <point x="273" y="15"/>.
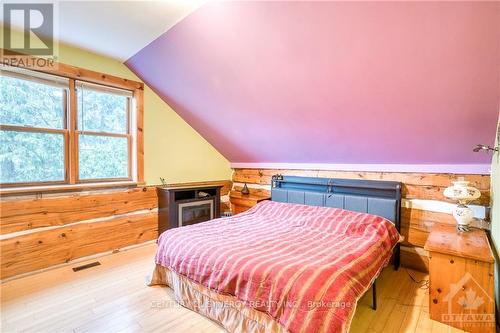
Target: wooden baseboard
<point x="19" y="215"/>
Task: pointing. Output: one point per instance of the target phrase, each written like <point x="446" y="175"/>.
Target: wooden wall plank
<point x="414" y="236"/>
<point x="416" y="224"/>
<point x="436" y="193"/>
<point x="18" y="215"/>
<point x="482" y="182"/>
<point x="263" y="176"/>
<point x="46" y="248"/>
<point x="414" y="261"/>
<point x="225" y="207"/>
<point x="253" y="191"/>
<point x="424" y="218"/>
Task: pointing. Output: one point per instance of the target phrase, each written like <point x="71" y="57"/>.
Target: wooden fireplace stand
<point x="171" y="197"/>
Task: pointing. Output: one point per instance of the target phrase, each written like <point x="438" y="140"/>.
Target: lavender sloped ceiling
<point x="334" y="82"/>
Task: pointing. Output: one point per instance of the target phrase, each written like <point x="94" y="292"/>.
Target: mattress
<point x="303" y="267"/>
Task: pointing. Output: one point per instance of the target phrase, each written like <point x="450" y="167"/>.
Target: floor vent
<point x="92" y="264"/>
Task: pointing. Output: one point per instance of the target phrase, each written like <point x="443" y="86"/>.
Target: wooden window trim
<point x="70" y="131"/>
<point x="73" y="72"/>
<point x="56" y="188"/>
<point x="73" y="144"/>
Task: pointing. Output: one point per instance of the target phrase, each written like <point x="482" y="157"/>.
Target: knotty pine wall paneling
<point x="37" y="232"/>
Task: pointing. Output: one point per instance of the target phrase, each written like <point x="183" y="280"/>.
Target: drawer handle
<point x="435" y="301"/>
<point x="452" y="261"/>
<point x="439" y="290"/>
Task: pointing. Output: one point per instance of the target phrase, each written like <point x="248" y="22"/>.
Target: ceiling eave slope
<point x="354" y="83"/>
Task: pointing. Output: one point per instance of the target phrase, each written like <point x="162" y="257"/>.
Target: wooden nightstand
<point x="242" y="202"/>
<point x="461" y="278"/>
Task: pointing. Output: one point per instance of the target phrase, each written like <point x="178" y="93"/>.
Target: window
<point x="33" y="134"/>
<point x="104" y="138"/>
<point x="59" y="130"/>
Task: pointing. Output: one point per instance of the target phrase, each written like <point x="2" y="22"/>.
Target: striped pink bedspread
<point x="305" y="266"/>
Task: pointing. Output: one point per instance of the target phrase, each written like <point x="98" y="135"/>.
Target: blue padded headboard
<point x="381" y="198"/>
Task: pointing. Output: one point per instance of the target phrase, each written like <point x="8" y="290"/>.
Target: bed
<point x="297" y="263"/>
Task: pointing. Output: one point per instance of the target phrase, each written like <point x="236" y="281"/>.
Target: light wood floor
<point x="114" y="297"/>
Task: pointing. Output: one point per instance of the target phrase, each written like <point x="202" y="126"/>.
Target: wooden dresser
<point x="461" y="278"/>
<point x="242" y="202"/>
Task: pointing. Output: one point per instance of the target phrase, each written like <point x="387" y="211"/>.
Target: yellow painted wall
<point x="172" y="149"/>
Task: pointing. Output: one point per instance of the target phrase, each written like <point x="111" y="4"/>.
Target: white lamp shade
<point x="461" y="192"/>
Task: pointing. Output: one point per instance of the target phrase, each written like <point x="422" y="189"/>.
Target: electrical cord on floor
<point x="423" y="284"/>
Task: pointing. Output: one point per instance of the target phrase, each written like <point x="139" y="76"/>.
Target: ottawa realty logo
<point x="468" y="304"/>
<point x="28" y="29"/>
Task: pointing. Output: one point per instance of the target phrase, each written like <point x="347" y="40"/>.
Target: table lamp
<point x="461" y="192"/>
